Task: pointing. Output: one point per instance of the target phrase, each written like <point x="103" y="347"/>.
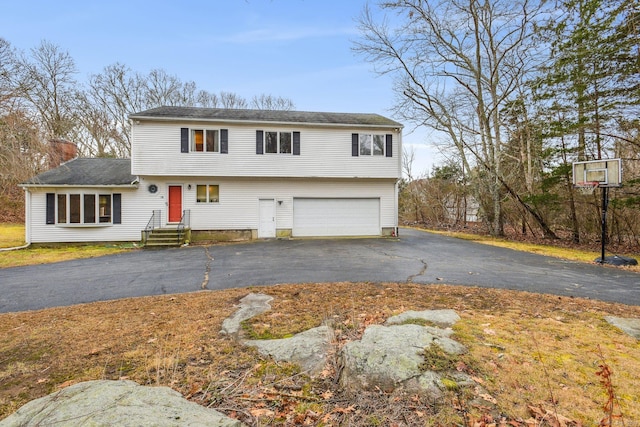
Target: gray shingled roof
<point x="221" y="114"/>
<point x="86" y="172"/>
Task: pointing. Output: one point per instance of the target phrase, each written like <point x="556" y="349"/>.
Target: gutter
<point x="139" y="119"/>
<point x="134" y="184"/>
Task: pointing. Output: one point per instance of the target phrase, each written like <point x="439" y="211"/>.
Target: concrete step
<point x="165" y="237"/>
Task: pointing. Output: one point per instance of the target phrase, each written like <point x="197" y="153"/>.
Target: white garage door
<point x="336" y="217"/>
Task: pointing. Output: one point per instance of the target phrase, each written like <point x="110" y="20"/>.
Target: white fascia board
<point x="124" y="186"/>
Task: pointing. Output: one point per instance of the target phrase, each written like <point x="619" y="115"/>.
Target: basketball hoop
<point x="587" y="187"/>
<point x="591" y="174"/>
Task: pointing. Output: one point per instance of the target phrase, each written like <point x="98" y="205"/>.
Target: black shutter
<point x="259" y="144"/>
<point x="296" y="143"/>
<point x="354" y="144"/>
<point x="224" y="141"/>
<point x="117" y="208"/>
<point x="184" y="140"/>
<point x="51" y="208"/>
<point x="389" y="146"/>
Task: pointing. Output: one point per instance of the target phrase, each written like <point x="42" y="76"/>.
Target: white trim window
<point x="371" y="144"/>
<point x="86" y="208"/>
<point x="207" y="193"/>
<point x="205" y="140"/>
<point x="277" y="142"/>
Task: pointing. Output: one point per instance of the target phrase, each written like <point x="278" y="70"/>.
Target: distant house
<point x="257" y="173"/>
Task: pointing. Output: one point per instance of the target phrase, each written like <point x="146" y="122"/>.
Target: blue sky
<point x="298" y="49"/>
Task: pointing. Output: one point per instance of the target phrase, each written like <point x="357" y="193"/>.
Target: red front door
<point x="175" y="203"/>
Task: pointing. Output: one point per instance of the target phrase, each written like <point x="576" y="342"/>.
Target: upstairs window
<point x="277" y="142"/>
<point x="371" y="145"/>
<point x="367" y="144"/>
<point x="272" y="142"/>
<point x="208" y="193"/>
<point x="205" y="140"/>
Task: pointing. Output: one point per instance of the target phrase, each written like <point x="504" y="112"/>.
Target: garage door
<point x="336" y="217"/>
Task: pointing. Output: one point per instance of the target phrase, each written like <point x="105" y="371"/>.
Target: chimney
<point x="61" y="151"/>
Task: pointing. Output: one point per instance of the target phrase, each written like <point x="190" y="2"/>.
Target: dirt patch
<point x="532" y="355"/>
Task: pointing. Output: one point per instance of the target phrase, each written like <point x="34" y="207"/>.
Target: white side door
<point x="267" y="214"/>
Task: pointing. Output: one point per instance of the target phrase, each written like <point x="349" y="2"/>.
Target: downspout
<point x="397" y="216"/>
<point x="27" y="216"/>
<point x="16" y="248"/>
<point x="396" y="228"/>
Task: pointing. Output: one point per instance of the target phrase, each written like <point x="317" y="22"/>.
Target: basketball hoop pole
<point x="605" y="204"/>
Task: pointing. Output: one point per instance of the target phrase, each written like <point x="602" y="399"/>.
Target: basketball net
<point x="587" y="187"/>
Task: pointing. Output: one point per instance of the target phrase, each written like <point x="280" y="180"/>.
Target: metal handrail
<point x="154" y="222"/>
<point x="185" y="222"/>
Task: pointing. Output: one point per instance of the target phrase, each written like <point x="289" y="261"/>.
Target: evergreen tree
<point x="590" y="43"/>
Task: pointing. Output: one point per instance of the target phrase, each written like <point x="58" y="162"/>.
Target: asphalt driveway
<point x="416" y="256"/>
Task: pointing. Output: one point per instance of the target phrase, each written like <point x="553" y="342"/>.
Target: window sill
<point x="98" y="225"/>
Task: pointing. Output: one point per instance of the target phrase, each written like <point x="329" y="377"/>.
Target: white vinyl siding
<point x="336" y="217"/>
<point x="237" y="209"/>
<point x="239" y="198"/>
<point x="324" y="152"/>
<point x="133" y="218"/>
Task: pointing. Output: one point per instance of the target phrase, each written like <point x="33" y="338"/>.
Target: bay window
<point x="86" y="208"/>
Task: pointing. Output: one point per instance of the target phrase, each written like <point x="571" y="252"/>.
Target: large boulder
<point x="629" y="326"/>
<point x="250" y="306"/>
<point x="116" y="403"/>
<point x="308" y="349"/>
<point x="392" y="357"/>
<point x="389" y="358"/>
<point x="441" y="318"/>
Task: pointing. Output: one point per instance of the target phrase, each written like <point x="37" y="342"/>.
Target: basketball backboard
<point x="606" y="172"/>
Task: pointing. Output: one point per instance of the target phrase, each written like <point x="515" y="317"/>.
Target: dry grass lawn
<point x="561" y="249"/>
<point x="12" y="235"/>
<point x="531" y="353"/>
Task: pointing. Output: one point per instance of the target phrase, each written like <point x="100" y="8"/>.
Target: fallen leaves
<point x="549" y="417"/>
<point x="170" y="340"/>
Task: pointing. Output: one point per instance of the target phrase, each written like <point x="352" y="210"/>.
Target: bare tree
<point x="412" y="189"/>
<point x="167" y="89"/>
<point x="109" y="99"/>
<point x="22" y="155"/>
<point x="207" y="99"/>
<point x="456" y="64"/>
<point x="22" y="148"/>
<point x="7" y="71"/>
<point x="47" y="84"/>
<point x="270" y="102"/>
<point x="231" y="100"/>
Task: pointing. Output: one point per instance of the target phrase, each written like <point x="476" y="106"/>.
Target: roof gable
<point x="86" y="172"/>
<point x="260" y="116"/>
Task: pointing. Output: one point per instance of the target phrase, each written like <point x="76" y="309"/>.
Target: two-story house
<point x="258" y="173"/>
